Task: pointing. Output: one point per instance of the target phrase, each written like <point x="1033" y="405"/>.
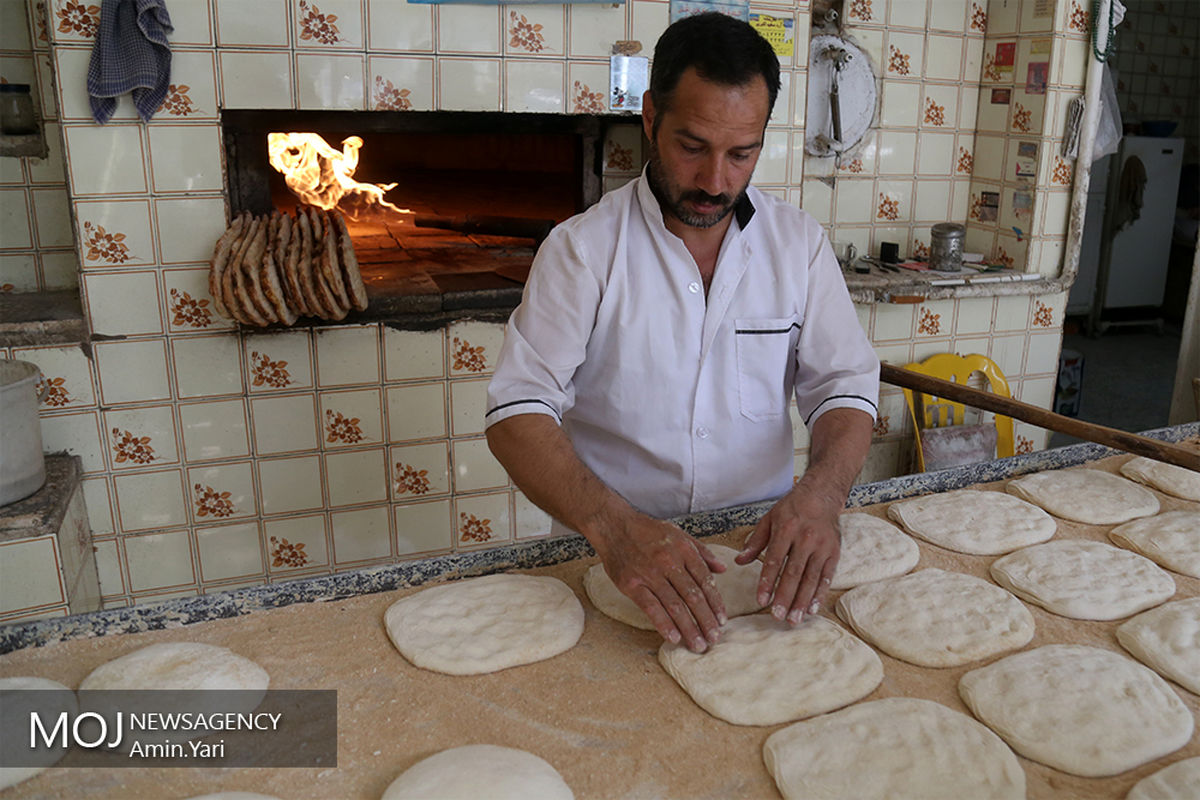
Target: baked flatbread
<point x="898" y="748"/>
<point x="1169" y="478"/>
<point x="1079" y="709"/>
<point x="872" y="550"/>
<point x="1082" y="579"/>
<point x="1171" y="539"/>
<point x="220" y="259"/>
<point x="273" y="289"/>
<point x="252" y="267"/>
<point x="330" y="266"/>
<point x="975" y="522"/>
<point x="765" y="672"/>
<point x="308" y="286"/>
<point x="1086" y="495"/>
<point x="229" y="275"/>
<point x="1167" y="639"/>
<point x="355" y="287"/>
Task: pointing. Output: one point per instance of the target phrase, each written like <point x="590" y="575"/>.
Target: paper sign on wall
<point x="628" y="81"/>
<point x="777" y="31"/>
<point x="1006" y="57"/>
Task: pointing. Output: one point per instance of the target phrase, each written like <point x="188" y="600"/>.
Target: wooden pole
<point x="1007" y="406"/>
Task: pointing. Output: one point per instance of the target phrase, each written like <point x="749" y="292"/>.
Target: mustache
<point x="698" y="196"/>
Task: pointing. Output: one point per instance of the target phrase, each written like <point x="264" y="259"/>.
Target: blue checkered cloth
<point x="131" y="54"/>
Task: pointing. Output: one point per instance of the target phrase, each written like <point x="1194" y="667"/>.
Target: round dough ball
<point x="898" y="748"/>
<point x="1171" y="539"/>
<point x="1082" y="710"/>
<point x="1082" y="579"/>
<point x="1167" y="639"/>
<point x="974" y="522"/>
<point x="738" y="586"/>
<point x="485" y="624"/>
<point x="872" y="550"/>
<point x="179" y="665"/>
<point x="1086" y="495"/>
<point x="20" y="696"/>
<point x="1176" y="782"/>
<point x="1169" y="478"/>
<point x="480" y="770"/>
<point x="765" y="672"/>
<point x="935" y="618"/>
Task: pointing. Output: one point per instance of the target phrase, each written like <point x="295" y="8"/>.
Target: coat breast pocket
<point x="765" y="364"/>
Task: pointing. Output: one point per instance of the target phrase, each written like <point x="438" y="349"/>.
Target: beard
<point x="673" y="198"/>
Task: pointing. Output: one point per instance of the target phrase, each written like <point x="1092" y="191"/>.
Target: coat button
<point x="702" y="432"/>
<point x="693" y="287"/>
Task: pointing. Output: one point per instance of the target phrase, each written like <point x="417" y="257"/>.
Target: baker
<point x="648" y="369"/>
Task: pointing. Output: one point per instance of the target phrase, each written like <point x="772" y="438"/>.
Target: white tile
<point x="189" y="305"/>
<point x="15" y="33"/>
<point x="66" y="370"/>
<point x="159" y="560"/>
<point x="1008" y="352"/>
<point x="52" y="211"/>
<point x="108" y="568"/>
<point x="59" y="270"/>
<point x="468" y="29"/>
<point x="322" y="24"/>
<point x="417" y="471"/>
<point x="949" y="15"/>
<point x="290" y="484"/>
<point x="936" y="154"/>
<point x="772" y="167"/>
<point x="150" y="500"/>
<point x="894" y="321"/>
<point x="411" y="355"/>
<point x="351" y="418"/>
<point x="115" y="233"/>
<point x="296" y="543"/>
<point x="944" y="58"/>
<point x="469" y="85"/>
<point x="534" y="30"/>
<point x="256" y="80"/>
<point x="207" y="365"/>
<point x="474" y="347"/>
<point x="16" y="229"/>
<point x="855" y="201"/>
<point x="347" y="355"/>
<point x="77" y="435"/>
<point x="423" y="527"/>
<point x="29" y="574"/>
<point x="229" y="551"/>
<point x="905" y="55"/>
<point x="222" y="491"/>
<point x="401" y="84"/>
<point x="1012" y="313"/>
<point x="399" y="26"/>
<point x="647" y="21"/>
<point x="528" y="519"/>
<point x="939" y="106"/>
<point x="70" y="78"/>
<point x="468" y="403"/>
<point x="123" y="303"/>
<point x="356" y="477"/>
<point x="214" y="430"/>
<point x="896" y="152"/>
<point x="1043" y="353"/>
<point x="906" y="13"/>
<point x="587" y="88"/>
<point x="330" y="81"/>
<point x="140" y="437"/>
<point x="901" y="104"/>
<point x="99" y="506"/>
<point x="935" y="318"/>
<point x="534" y="86"/>
<point x="475" y="467"/>
<point x="279" y="361"/>
<point x="594" y="28"/>
<point x="18" y="272"/>
<point x="361" y="535"/>
<point x="286" y="424"/>
<point x="106" y="160"/>
<point x="193" y="88"/>
<point x="132" y="371"/>
<point x="192" y="22"/>
<point x="974" y="315"/>
<point x="188" y="227"/>
<point x="186" y="158"/>
<point x="483" y="520"/>
<point x="416" y="411"/>
<point x="264" y="28"/>
<point x="932" y="203"/>
<point x="893" y="202"/>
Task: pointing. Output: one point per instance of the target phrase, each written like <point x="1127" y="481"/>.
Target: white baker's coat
<point x="679" y="403"/>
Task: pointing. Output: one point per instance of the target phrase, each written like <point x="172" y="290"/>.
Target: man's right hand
<point x="668" y="574"/>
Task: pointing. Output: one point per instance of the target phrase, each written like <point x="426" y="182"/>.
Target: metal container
<point x="946" y="246"/>
<point x="22" y="464"/>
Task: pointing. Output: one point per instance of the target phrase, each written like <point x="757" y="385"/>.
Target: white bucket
<point x="22" y="463"/>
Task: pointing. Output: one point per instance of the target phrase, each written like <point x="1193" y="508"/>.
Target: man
<point x="665" y="329"/>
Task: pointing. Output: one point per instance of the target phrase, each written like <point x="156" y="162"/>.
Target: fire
<point x="320" y="175"/>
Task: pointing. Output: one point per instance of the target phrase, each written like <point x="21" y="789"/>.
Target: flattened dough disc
<point x="738" y="586"/>
<point x="477" y="771"/>
<point x="485" y="624"/>
<point x="179" y="665"/>
<point x="1082" y="579"/>
<point x="1079" y="709"/>
<point x="898" y="748"/>
<point x="872" y="549"/>
<point x="973" y="521"/>
<point x="764" y="672"/>
<point x="1086" y="495"/>
<point x="935" y="618"/>
<point x="1171" y="539"/>
<point x="1169" y="478"/>
<point x="1176" y="782"/>
<point x="1167" y="639"/>
<point x="21" y="696"/>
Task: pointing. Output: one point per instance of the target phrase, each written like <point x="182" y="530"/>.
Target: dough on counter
<point x="765" y="672"/>
<point x="1169" y="478"/>
<point x="1082" y="579"/>
<point x="872" y="549"/>
<point x="480" y="770"/>
<point x="1171" y="539"/>
<point x="975" y="522"/>
<point x="179" y="665"/>
<point x="1086" y="495"/>
<point x="1079" y="709"/>
<point x="738" y="585"/>
<point x="19" y="700"/>
<point x="935" y="618"/>
<point x="898" y="748"/>
<point x="485" y="624"/>
<point x="234" y="795"/>
<point x="1176" y="782"/>
<point x="1167" y="639"/>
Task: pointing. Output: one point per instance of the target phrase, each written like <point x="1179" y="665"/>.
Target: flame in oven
<point x="322" y="176"/>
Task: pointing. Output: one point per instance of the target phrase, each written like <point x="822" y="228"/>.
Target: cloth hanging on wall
<point x="1130" y="193"/>
<point x="131" y="54"/>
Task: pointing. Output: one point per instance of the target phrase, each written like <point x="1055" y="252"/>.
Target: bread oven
<point x="444" y="209"/>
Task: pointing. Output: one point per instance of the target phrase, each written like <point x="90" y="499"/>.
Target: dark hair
<point x="722" y="50"/>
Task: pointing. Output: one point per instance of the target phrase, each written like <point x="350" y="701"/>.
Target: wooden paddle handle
<point x="1007" y="406"/>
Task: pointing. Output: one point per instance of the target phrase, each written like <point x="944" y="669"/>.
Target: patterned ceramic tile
<point x="296" y="543"/>
<point x="141" y="437"/>
<point x="150" y="500"/>
<point x="401" y="83"/>
<point x="423" y="527"/>
<point x="482" y="520"/>
<point x="290" y="484"/>
<point x="214" y="430"/>
<point x="221" y="491"/>
<point x="115" y="234"/>
<point x="361" y="535"/>
<point x="66" y="375"/>
<point x="278" y="361"/>
<point x="587" y="88"/>
<point x="474" y="347"/>
<point x="351" y="418"/>
<point x="189" y="305"/>
<point x="418" y="471"/>
<point x="206" y="366"/>
<point x="229" y="551"/>
<point x="325" y="24"/>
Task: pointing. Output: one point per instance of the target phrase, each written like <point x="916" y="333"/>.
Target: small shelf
<point x="23" y="145"/>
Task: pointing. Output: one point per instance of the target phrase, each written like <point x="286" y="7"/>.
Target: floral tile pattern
<point x="339" y="428"/>
<point x="1021" y="118"/>
<point x="929" y="323"/>
<point x="177" y="103"/>
<point x="934" y="114"/>
<point x="860" y="10"/>
<point x="1080" y="18"/>
<point x="56" y="392"/>
<point x="411" y="480"/>
<point x="105" y="246"/>
<point x="978" y="18"/>
<point x="585" y="101"/>
<point x="78" y="18"/>
<point x="525" y="35"/>
<point x="269" y="373"/>
<point x="390" y="98"/>
<point x="286" y="554"/>
<point x="966" y="161"/>
<point x="211" y="503"/>
<point x="1043" y="316"/>
<point x="187" y="311"/>
<point x="473" y="529"/>
<point x="468" y="358"/>
<point x="898" y="62"/>
<point x="317" y="27"/>
<point x="132" y="448"/>
<point x="889" y="208"/>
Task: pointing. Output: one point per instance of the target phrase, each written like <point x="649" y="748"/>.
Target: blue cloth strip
<point x="131" y="54"/>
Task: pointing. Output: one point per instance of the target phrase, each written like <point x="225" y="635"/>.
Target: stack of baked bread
<point x="275" y="268"/>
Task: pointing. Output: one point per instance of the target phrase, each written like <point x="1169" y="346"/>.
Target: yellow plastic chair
<point x="935" y="412"/>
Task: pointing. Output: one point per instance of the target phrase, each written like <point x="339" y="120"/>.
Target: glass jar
<point x="16" y="110"/>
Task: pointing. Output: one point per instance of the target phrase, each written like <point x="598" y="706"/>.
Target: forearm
<point x="840" y="440"/>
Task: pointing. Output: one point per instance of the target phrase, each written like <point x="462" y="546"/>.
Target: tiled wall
<point x="1157" y="64"/>
<point x="36" y="242"/>
<point x="216" y="458"/>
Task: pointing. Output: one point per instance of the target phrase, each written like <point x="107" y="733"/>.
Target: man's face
<point x="703" y="148"/>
